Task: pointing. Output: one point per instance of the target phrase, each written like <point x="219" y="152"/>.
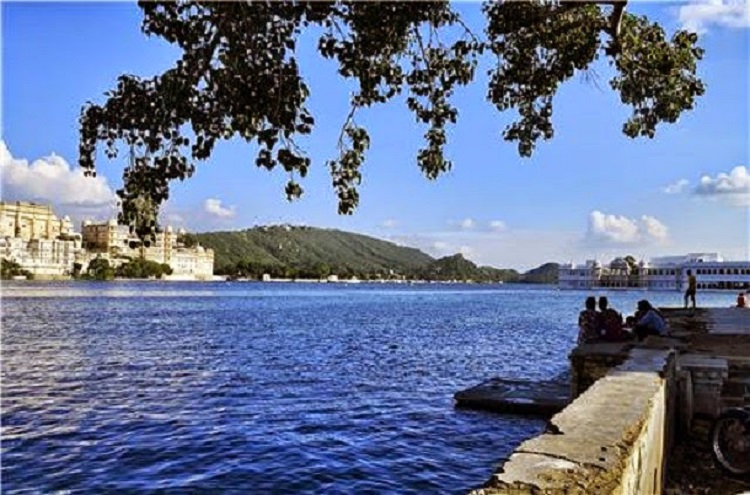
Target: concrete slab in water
<point x="543" y="398"/>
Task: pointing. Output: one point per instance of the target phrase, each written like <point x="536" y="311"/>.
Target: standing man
<point x="692" y="287"/>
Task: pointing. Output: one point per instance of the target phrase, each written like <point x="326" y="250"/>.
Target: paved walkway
<point x="718" y="321"/>
<point x="691" y="470"/>
<point x="728" y="321"/>
<point x="716" y="332"/>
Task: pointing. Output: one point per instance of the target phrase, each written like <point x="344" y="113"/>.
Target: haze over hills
<point x="309" y="252"/>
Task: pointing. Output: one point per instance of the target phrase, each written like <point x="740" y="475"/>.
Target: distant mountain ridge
<point x="309" y="252"/>
<point x="544" y="274"/>
<point x="456" y="267"/>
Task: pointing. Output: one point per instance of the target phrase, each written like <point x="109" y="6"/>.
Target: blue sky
<point x="590" y="192"/>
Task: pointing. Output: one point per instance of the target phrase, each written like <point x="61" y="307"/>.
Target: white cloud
<point x="467" y="224"/>
<point x="698" y="15"/>
<point x="466" y="250"/>
<point x="388" y="223"/>
<point x="168" y="215"/>
<point x="676" y="187"/>
<point x="498" y="226"/>
<point x="733" y="187"/>
<point x="52" y="180"/>
<point x="654" y="228"/>
<point x="213" y="207"/>
<point x="612" y="228"/>
<point x="470" y="225"/>
<point x="616" y="229"/>
<point x="175" y="219"/>
<point x="440" y="247"/>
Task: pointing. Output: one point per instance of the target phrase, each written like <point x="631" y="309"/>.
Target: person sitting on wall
<point x="611" y="322"/>
<point x="630" y="321"/>
<point x="741" y="300"/>
<point x="650" y="322"/>
<point x="589" y="322"/>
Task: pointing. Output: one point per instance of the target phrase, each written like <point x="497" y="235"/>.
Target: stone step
<point x="538" y="398"/>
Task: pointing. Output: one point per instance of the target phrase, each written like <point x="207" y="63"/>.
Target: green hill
<point x="307" y="252"/>
<point x="456" y="267"/>
<point x="544" y="274"/>
<point x="507" y="275"/>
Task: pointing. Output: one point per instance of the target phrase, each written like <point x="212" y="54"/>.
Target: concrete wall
<point x="590" y="362"/>
<point x="614" y="438"/>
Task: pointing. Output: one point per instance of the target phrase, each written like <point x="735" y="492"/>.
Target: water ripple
<point x="196" y="388"/>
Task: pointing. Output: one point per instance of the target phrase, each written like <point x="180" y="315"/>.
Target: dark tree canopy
<point x="238" y="76"/>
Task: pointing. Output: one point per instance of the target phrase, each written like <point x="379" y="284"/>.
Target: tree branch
<point x="615" y="19"/>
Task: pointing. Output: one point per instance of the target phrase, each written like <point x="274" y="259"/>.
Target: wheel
<point x="730" y="442"/>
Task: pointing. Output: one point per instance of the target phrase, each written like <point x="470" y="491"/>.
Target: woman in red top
<point x="611" y="322"/>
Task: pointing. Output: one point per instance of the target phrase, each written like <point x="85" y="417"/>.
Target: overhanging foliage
<point x="238" y="76"/>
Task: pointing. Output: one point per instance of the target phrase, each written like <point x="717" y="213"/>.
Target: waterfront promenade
<point x="636" y="423"/>
<point x="718" y="335"/>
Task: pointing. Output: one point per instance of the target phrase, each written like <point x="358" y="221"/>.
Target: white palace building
<point x="664" y="273"/>
<point x="47" y="247"/>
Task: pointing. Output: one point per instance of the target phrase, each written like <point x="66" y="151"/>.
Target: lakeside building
<point x="41" y="243"/>
<point x="35" y="238"/>
<point x="661" y="273"/>
<point x="108" y="237"/>
<point x="196" y="261"/>
<point x="27" y="221"/>
<point x="117" y="242"/>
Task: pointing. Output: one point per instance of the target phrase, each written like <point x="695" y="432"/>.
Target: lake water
<point x="271" y="388"/>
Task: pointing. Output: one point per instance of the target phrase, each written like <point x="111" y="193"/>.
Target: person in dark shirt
<point x="650" y="321"/>
<point x="611" y="322"/>
<point x="589" y="322"/>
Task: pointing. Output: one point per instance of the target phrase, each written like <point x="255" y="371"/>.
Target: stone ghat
<point x="611" y="439"/>
<point x="618" y="434"/>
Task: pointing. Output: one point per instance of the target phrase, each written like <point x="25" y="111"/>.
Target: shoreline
<point x="638" y="414"/>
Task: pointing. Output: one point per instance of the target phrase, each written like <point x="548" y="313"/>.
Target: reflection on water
<point x="269" y="388"/>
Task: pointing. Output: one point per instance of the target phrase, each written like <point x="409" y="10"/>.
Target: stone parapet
<point x="614" y="438"/>
<point x="590" y="362"/>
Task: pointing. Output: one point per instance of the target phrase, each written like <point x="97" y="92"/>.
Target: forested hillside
<point x="456" y="267"/>
<point x="308" y="252"/>
<point x="545" y="274"/>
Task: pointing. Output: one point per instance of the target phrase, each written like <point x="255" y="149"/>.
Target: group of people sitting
<point x="607" y="324"/>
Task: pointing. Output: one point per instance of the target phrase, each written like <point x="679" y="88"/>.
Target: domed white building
<point x="664" y="273"/>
